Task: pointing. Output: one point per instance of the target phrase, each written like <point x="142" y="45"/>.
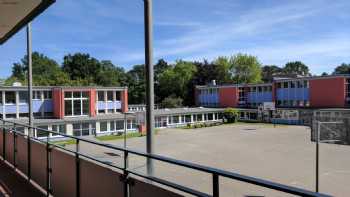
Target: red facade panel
<point x="328" y="92"/>
<point x="92" y="95"/>
<point x="228" y="96"/>
<point x="124" y="100"/>
<point x="58" y="103"/>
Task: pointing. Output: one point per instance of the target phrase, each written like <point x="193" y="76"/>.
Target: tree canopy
<point x="342" y="69"/>
<point x="174" y="82"/>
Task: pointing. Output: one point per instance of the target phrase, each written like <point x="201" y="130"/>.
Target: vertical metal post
<point x="149" y="82"/>
<point x="30" y="94"/>
<point x="48" y="165"/>
<point x="125" y="126"/>
<point x="317" y="154"/>
<point x="77" y="168"/>
<point x="14" y="146"/>
<point x="126" y="163"/>
<point x="215" y="185"/>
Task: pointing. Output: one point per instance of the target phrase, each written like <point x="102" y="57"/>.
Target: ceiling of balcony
<point x="15" y="14"/>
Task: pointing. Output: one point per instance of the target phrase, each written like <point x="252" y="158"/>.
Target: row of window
<point x="117" y="125"/>
<point x="209" y="91"/>
<point x="260" y="89"/>
<point x="10" y="96"/>
<point x="293" y="84"/>
<point x="108" y="95"/>
<point x="294" y="103"/>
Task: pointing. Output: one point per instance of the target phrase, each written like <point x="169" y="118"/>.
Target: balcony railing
<point x="64" y="172"/>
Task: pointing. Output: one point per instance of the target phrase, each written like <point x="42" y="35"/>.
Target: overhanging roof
<point x="15" y="14"/>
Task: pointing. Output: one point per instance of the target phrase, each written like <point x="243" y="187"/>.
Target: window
<point x="117" y="95"/>
<point x="59" y="129"/>
<point x="101" y="95"/>
<point x="10" y="97"/>
<point x="306" y="84"/>
<point x="131" y="125"/>
<point x="292" y="84"/>
<point x="76" y="103"/>
<point x="85" y="129"/>
<point x="103" y="126"/>
<point x="210" y="116"/>
<point x="175" y="119"/>
<point x="112" y="126"/>
<point x="188" y="118"/>
<point x="76" y="130"/>
<point x="109" y="96"/>
<point x="1" y="98"/>
<point x="47" y="94"/>
<point x="41" y="131"/>
<point x="23" y="96"/>
<point x="119" y="125"/>
<point x="279" y="85"/>
<point x="285" y="85"/>
<point x="37" y="95"/>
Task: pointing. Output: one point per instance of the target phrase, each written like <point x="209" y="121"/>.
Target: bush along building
<point x="83" y="111"/>
<point x="285" y="100"/>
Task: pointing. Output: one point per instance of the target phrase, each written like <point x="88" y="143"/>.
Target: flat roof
<point x="15" y="14"/>
<point x="61" y="87"/>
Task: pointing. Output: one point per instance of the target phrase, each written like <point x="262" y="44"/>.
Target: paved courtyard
<point x="283" y="154"/>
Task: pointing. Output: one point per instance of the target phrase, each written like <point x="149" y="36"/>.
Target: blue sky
<point x="316" y="32"/>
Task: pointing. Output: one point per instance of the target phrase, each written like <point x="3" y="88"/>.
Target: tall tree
<point x="245" y="68"/>
<point x="342" y="69"/>
<point x="177" y="81"/>
<point x="269" y="71"/>
<point x="222" y="68"/>
<point x="45" y="71"/>
<point x="136" y="84"/>
<point x="297" y="68"/>
<point x="81" y="67"/>
<point x="110" y="75"/>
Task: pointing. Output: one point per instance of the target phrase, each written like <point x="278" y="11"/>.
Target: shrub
<point x="231" y="115"/>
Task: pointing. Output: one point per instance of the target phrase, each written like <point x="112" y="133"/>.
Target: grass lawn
<point x="117" y="137"/>
<point x="64" y="142"/>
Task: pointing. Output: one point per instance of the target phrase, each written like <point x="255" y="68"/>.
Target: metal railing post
<point x="4" y="142"/>
<point x="77" y="168"/>
<point x="126" y="164"/>
<point x="14" y="145"/>
<point x="317" y="154"/>
<point x="48" y="166"/>
<point x="215" y="185"/>
<point x="30" y="129"/>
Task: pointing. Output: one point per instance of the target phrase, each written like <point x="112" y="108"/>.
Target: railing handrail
<point x="206" y="169"/>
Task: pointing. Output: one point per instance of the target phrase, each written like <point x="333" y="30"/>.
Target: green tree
<point x="222" y="68"/>
<point x="135" y="80"/>
<point x="82" y="67"/>
<point x="45" y="71"/>
<point x="172" y="102"/>
<point x="110" y="75"/>
<point x="269" y="71"/>
<point x="245" y="68"/>
<point x="342" y="69"/>
<point x="177" y="80"/>
<point x="296" y="68"/>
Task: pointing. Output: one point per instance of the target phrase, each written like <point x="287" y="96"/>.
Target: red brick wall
<point x="228" y="96"/>
<point x="124" y="100"/>
<point x="92" y="95"/>
<point x="327" y="92"/>
<point x="58" y="103"/>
